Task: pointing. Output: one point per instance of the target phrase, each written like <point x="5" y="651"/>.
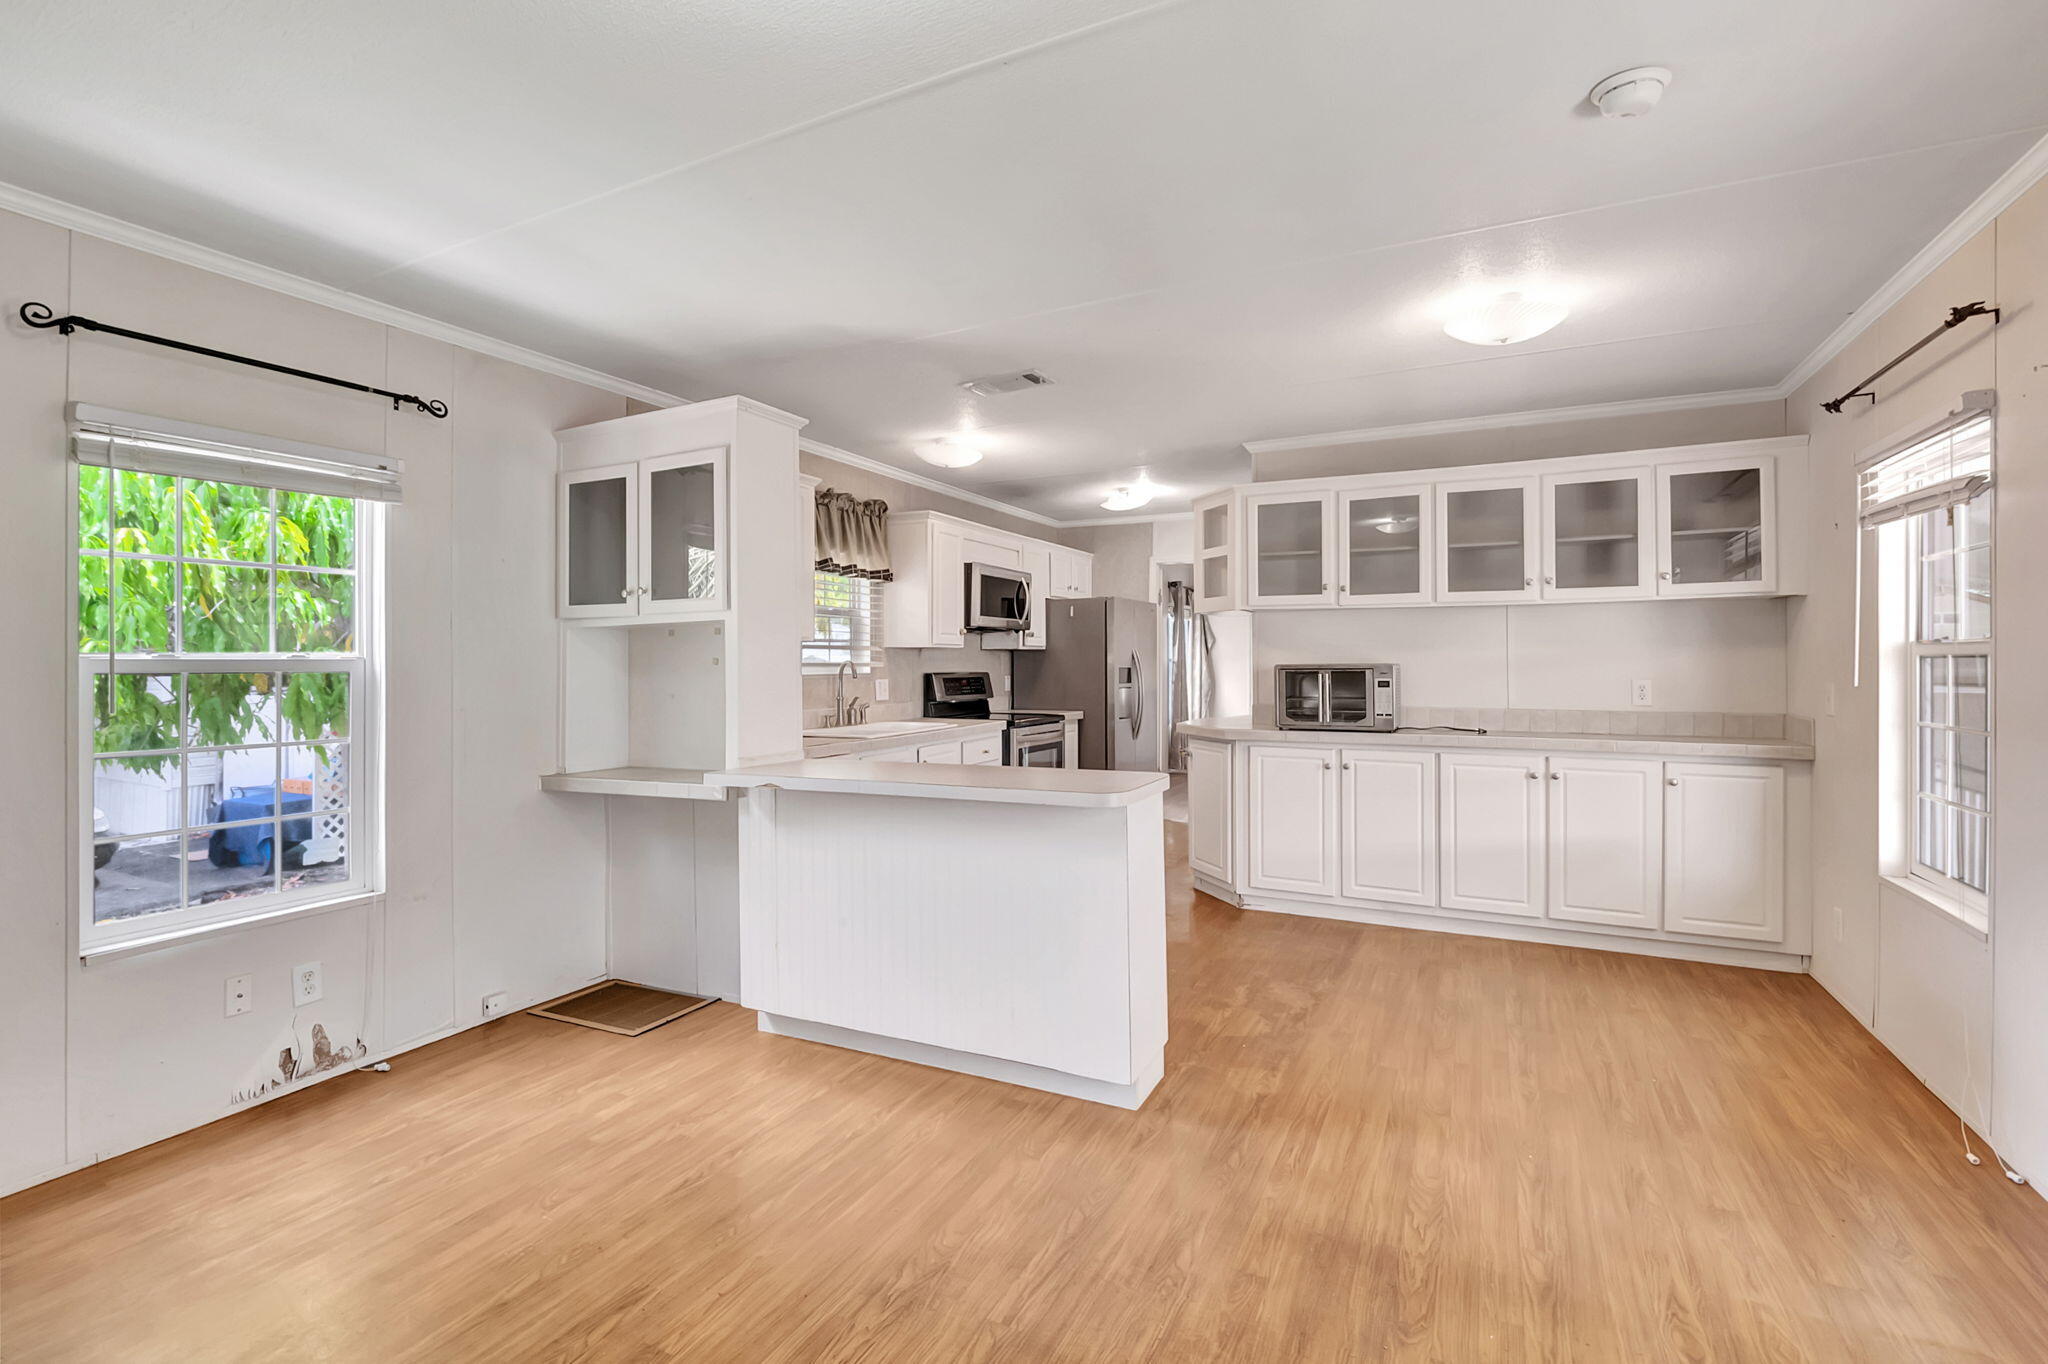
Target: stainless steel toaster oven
<point x="1353" y="696"/>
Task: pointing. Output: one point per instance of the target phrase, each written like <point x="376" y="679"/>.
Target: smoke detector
<point x="1631" y="93"/>
<point x="1006" y="383"/>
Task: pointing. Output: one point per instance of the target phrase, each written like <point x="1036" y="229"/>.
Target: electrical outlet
<point x="306" y="983"/>
<point x="494" y="1004"/>
<point x="240" y="990"/>
<point x="881" y="689"/>
<point x="1838" y="923"/>
<point x="1639" y="693"/>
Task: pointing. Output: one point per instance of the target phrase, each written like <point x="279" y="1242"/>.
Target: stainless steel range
<point x="1030" y="738"/>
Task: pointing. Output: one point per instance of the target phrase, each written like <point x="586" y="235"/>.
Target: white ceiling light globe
<point x="951" y="453"/>
<point x="1505" y="320"/>
<point x="1129" y="498"/>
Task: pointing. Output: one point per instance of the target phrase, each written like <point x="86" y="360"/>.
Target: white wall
<point x="1698" y="655"/>
<point x="490" y="884"/>
<point x="1970" y="1017"/>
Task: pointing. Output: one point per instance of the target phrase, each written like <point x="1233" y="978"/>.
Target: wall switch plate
<point x="1829" y="703"/>
<point x="1639" y="692"/>
<point x="494" y="1004"/>
<point x="305" y="983"/>
<point x="881" y="689"/>
<point x="241" y="991"/>
<point x="1838" y="923"/>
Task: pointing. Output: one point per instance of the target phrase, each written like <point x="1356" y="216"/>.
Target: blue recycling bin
<point x="245" y="845"/>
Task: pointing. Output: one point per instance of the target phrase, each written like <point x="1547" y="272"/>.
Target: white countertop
<point x="832" y="746"/>
<point x="948" y="781"/>
<point x="670" y="783"/>
<point x="1241" y="729"/>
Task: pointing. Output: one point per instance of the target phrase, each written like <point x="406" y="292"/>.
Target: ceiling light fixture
<point x="953" y="452"/>
<point x="1631" y="93"/>
<point x="1131" y="496"/>
<point x="1505" y="319"/>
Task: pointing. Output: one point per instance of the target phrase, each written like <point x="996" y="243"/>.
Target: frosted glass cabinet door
<point x="1486" y="538"/>
<point x="1597" y="537"/>
<point x="682" y="533"/>
<point x="1290" y="549"/>
<point x="596" y="542"/>
<point x="1214" y="583"/>
<point x="1716" y="522"/>
<point x="1384" y="553"/>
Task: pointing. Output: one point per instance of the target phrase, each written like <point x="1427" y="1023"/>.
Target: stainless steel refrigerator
<point x="1099" y="658"/>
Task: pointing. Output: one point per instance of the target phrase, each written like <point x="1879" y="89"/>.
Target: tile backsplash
<point x="905" y="670"/>
<point x="1670" y="724"/>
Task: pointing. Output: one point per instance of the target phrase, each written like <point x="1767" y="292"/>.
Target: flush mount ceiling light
<point x="954" y="452"/>
<point x="1131" y="496"/>
<point x="1505" y="319"/>
<point x="1631" y="93"/>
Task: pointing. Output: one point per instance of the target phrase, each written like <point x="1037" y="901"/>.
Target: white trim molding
<point x="918" y="480"/>
<point x="1494" y="421"/>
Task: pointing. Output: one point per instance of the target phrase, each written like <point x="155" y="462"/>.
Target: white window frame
<point x="866" y="623"/>
<point x="1972" y="902"/>
<point x="364" y="808"/>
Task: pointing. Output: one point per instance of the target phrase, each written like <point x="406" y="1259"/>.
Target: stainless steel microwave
<point x="1363" y="696"/>
<point x="998" y="599"/>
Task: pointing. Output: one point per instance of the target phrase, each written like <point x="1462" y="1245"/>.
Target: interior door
<point x="1491" y="833"/>
<point x="1290" y="549"/>
<point x="1606" y="822"/>
<point x="1383" y="552"/>
<point x="682" y="549"/>
<point x="1724" y="850"/>
<point x="1387" y="821"/>
<point x="1290" y="792"/>
<point x="597" y="533"/>
<point x="1486" y="535"/>
<point x="1599" y="538"/>
<point x="1715" y="523"/>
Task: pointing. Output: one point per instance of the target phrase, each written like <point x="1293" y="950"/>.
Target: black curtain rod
<point x="40" y="315"/>
<point x="1956" y="318"/>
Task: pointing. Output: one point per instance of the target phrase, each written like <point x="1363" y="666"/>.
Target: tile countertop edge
<point x="947" y="781"/>
<point x="1239" y="729"/>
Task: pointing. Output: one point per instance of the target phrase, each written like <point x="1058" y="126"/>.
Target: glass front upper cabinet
<point x="1290" y="549"/>
<point x="1597" y="540"/>
<point x="597" y="537"/>
<point x="1712" y="519"/>
<point x="1486" y="541"/>
<point x="682" y="533"/>
<point x="1383" y="556"/>
<point x="1215" y="581"/>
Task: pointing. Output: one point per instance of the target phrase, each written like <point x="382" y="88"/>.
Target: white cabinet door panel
<point x="1387" y="824"/>
<point x="1291" y="793"/>
<point x="1491" y="834"/>
<point x="1209" y="808"/>
<point x="1290" y="549"/>
<point x="1606" y="841"/>
<point x="1724" y="850"/>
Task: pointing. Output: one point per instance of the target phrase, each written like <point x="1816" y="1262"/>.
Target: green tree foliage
<point x="129" y="606"/>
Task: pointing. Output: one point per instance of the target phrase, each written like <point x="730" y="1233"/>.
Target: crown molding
<point x="71" y="217"/>
<point x="1153" y="519"/>
<point x="918" y="480"/>
<point x="1633" y="407"/>
<point x="1982" y="212"/>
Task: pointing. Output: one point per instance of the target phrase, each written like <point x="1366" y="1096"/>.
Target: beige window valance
<point x="852" y="538"/>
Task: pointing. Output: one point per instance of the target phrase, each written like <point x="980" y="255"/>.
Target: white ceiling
<point x="1211" y="221"/>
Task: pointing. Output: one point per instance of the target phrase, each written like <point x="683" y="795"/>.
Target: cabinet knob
<point x="1532" y="776"/>
<point x="1528" y="582"/>
<point x="1549" y="581"/>
<point x="1671" y="781"/>
<point x="1555" y="776"/>
<point x="1665" y="576"/>
<point x="625" y="594"/>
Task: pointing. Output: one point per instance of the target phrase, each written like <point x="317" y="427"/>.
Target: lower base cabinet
<point x="1724" y="850"/>
<point x="1387" y="825"/>
<point x="1491" y="844"/>
<point x="1209" y="809"/>
<point x="1606" y="841"/>
<point x="1291" y="806"/>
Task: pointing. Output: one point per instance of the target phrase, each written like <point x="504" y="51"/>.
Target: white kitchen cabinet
<point x="1487" y="536"/>
<point x="1290" y="844"/>
<point x="986" y="751"/>
<point x="1490" y="833"/>
<point x="645" y="540"/>
<point x="1724" y="850"/>
<point x="1073" y="572"/>
<point x="1387" y="825"/>
<point x="1606" y="825"/>
<point x="1290" y="552"/>
<point x="1384" y="554"/>
<point x="1717" y="523"/>
<point x="1209" y="809"/>
<point x="1599" y="535"/>
<point x="1038" y="563"/>
<point x="945" y="751"/>
<point x="1216" y="552"/>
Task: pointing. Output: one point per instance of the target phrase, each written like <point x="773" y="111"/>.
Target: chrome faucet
<point x="839" y="710"/>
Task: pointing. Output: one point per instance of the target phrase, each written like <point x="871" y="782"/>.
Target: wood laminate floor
<point x="1371" y="1145"/>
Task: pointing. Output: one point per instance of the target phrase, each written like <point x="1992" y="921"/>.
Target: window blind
<point x="846" y="621"/>
<point x="157" y="445"/>
<point x="1943" y="469"/>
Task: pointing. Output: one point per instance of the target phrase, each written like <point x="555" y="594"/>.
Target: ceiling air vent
<point x="1006" y="383"/>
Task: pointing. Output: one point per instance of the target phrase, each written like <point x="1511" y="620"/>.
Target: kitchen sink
<point x="877" y="729"/>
